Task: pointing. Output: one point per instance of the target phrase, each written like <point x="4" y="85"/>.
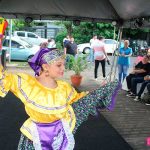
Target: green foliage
<point x="1" y="20"/>
<point x="60" y="36"/>
<point x="67" y="25"/>
<point x="85" y="31"/>
<point x="135" y="33"/>
<point x="59" y="45"/>
<point x="20" y="24"/>
<point x="77" y="64"/>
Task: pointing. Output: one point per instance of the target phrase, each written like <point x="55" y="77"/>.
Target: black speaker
<point x="76" y="22"/>
<point x="28" y="20"/>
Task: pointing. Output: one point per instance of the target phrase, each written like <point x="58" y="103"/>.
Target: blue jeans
<point x="122" y="71"/>
<point x="91" y="56"/>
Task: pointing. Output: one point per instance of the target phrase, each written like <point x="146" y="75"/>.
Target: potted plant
<point x="77" y="64"/>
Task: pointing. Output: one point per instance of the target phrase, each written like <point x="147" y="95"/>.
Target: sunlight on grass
<point x="18" y="63"/>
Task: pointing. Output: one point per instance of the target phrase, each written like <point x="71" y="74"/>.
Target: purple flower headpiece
<point x="44" y="56"/>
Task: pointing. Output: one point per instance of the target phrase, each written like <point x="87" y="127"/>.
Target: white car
<point x="30" y="37"/>
<point x="110" y="46"/>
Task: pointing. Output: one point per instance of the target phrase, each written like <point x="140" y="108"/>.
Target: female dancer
<point x="54" y="108"/>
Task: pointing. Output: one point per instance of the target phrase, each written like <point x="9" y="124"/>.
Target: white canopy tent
<point x="122" y="11"/>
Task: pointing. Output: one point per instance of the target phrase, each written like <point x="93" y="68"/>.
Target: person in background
<point x="54" y="107"/>
<point x="124" y="61"/>
<point x="141" y="70"/>
<point x="66" y="40"/>
<point x="148" y="89"/>
<point x="43" y="45"/>
<point x="51" y="43"/>
<point x="100" y="56"/>
<point x="91" y="56"/>
<point x="71" y="47"/>
<point x="146" y="80"/>
<point x="148" y="51"/>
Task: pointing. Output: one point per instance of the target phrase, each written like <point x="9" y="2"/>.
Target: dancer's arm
<point x="7" y="82"/>
<point x="73" y="95"/>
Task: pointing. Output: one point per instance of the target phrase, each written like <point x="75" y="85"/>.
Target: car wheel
<point x="30" y="57"/>
<point x="86" y="50"/>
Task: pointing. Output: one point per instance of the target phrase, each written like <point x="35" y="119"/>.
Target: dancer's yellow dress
<point x="45" y="105"/>
<point x="42" y="104"/>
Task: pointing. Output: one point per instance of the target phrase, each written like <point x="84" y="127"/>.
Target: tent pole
<point x="10" y="35"/>
<point x="115" y="58"/>
<point x="114" y="33"/>
<point x="113" y="62"/>
<point x="120" y="38"/>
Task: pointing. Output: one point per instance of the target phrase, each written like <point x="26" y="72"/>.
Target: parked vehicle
<point x="20" y="50"/>
<point x="110" y="46"/>
<point x="84" y="48"/>
<point x="30" y="37"/>
<point x="139" y="47"/>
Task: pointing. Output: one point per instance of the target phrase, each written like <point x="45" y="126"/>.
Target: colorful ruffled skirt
<point x="101" y="98"/>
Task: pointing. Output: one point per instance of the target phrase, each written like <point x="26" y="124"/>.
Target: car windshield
<point x="25" y="44"/>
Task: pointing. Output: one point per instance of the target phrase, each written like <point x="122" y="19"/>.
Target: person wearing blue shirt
<point x="124" y="60"/>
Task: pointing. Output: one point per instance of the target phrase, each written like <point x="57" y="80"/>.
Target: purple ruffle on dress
<point x="50" y="136"/>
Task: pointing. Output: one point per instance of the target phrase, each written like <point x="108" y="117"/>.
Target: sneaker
<point x="147" y="103"/>
<point x="95" y="79"/>
<point x="137" y="98"/>
<point x="131" y="95"/>
<point x="129" y="92"/>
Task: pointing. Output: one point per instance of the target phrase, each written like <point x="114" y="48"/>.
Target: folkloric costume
<point x="54" y="114"/>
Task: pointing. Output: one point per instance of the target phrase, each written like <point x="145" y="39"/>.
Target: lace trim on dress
<point x="35" y="137"/>
<point x="69" y="135"/>
<point x="1" y="83"/>
<point x="58" y="140"/>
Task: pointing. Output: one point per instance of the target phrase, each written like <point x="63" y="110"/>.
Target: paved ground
<point x="131" y="119"/>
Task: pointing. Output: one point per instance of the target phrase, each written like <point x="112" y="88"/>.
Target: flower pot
<point x="76" y="80"/>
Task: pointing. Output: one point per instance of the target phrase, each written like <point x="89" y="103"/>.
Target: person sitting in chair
<point x="148" y="89"/>
<point x="144" y="80"/>
<point x="141" y="69"/>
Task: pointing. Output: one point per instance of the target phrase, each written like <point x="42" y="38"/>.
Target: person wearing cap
<point x="54" y="107"/>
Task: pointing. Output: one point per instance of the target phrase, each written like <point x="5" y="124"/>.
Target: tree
<point x="85" y="31"/>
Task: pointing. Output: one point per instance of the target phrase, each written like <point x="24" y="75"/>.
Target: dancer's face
<point x="56" y="69"/>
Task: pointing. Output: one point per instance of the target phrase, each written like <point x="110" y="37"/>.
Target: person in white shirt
<point x="100" y="56"/>
<point x="91" y="57"/>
